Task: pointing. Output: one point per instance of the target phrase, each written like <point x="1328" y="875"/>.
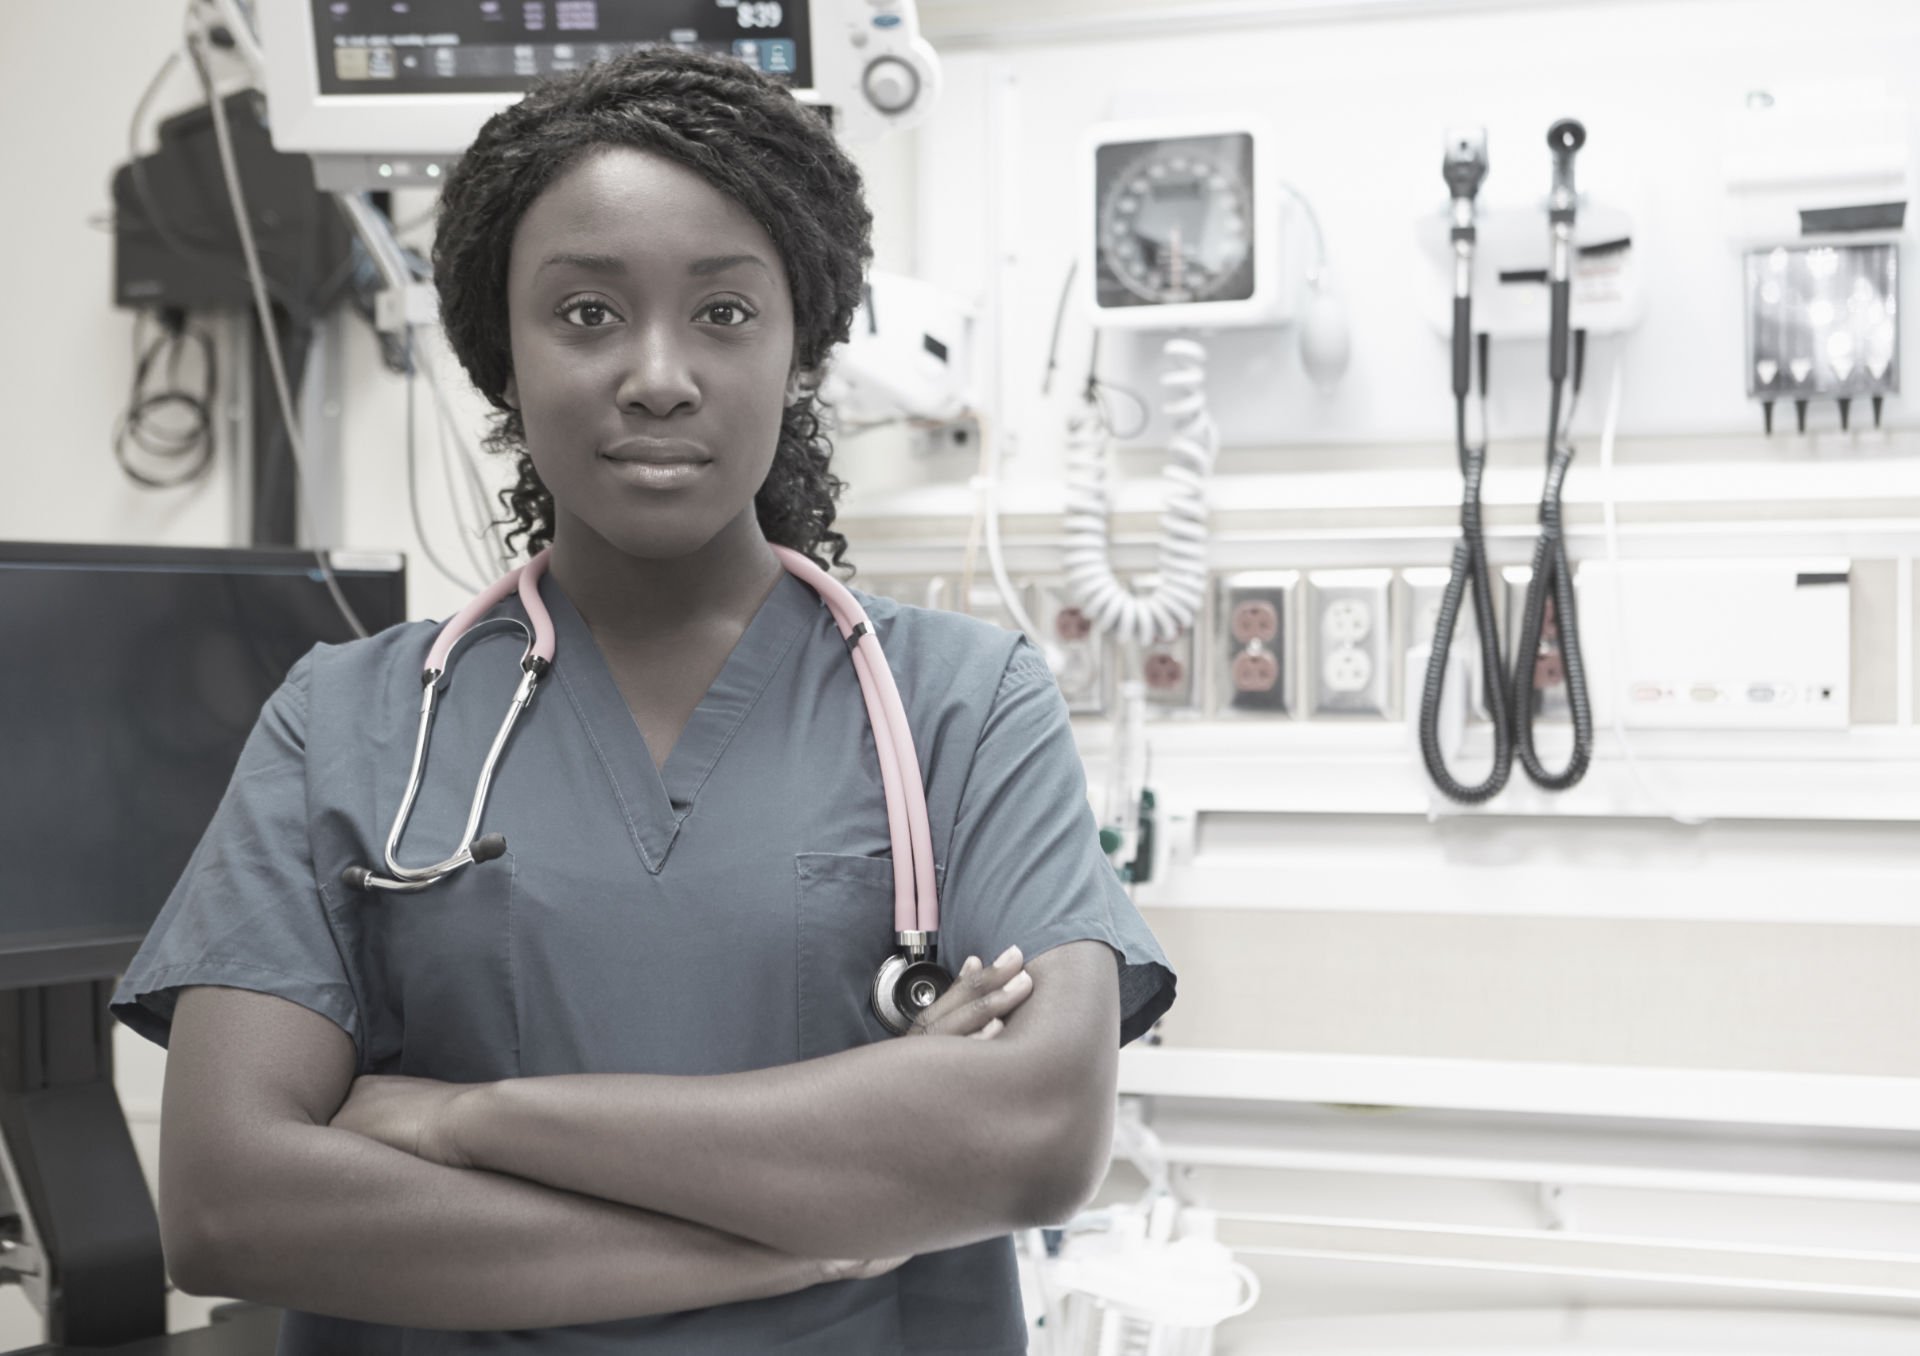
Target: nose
<point x="656" y="379"/>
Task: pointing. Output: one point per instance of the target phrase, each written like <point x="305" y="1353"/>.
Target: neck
<point x="632" y="598"/>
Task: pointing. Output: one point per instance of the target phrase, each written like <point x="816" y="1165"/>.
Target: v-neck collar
<point x="654" y="801"/>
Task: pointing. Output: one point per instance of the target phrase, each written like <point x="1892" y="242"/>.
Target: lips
<point x="657" y="452"/>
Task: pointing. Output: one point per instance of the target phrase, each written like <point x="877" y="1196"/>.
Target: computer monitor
<point x="133" y="679"/>
<point x="385" y="93"/>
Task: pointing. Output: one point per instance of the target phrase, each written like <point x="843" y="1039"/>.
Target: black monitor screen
<point x="503" y="46"/>
<point x="132" y="679"/>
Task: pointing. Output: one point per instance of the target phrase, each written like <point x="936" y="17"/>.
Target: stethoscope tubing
<point x="916" y="900"/>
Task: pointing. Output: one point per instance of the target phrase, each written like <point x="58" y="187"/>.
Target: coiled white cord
<point x="1175" y="600"/>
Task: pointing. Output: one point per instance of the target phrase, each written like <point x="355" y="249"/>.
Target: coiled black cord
<point x="190" y="447"/>
<point x="1470" y="570"/>
<point x="1552" y="577"/>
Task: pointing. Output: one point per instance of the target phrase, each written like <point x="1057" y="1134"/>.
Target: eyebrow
<point x="609" y="263"/>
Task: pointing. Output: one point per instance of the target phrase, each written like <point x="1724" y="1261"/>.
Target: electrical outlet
<point x="1075" y="652"/>
<point x="1421" y="592"/>
<point x="1549" y="670"/>
<point x="1169" y="667"/>
<point x="1253" y="619"/>
<point x="1351" y="632"/>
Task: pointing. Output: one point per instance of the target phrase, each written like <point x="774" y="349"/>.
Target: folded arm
<point x="261" y="1200"/>
<point x="904" y="1146"/>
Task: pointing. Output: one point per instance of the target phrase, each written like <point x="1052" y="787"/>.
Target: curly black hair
<point x="751" y="139"/>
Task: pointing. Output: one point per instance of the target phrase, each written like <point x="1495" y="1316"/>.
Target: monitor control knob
<point x="892" y="85"/>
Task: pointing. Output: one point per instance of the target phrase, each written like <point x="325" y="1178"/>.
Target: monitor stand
<point x="82" y="1238"/>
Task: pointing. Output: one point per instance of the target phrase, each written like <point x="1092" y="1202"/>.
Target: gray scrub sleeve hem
<point x="147" y="1009"/>
<point x="1025" y="866"/>
<point x="247" y="912"/>
<point x="1146" y="984"/>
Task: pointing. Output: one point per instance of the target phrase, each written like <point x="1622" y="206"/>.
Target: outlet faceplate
<point x="1168" y="667"/>
<point x="1420" y="593"/>
<point x="1349" y="643"/>
<point x="1075" y="651"/>
<point x="1253" y="622"/>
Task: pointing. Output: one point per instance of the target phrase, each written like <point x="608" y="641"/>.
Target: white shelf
<point x="1828" y="1165"/>
<point x="1281" y="766"/>
<point x="1883" y="474"/>
<point x="1711" y="1095"/>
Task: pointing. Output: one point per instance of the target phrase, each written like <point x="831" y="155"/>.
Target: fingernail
<point x="1008" y="956"/>
<point x="992" y="1028"/>
<point x="973" y="963"/>
<point x="1021" y="982"/>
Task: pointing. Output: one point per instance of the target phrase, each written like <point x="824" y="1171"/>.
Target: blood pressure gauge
<point x="1184" y="230"/>
<point x="1176" y="223"/>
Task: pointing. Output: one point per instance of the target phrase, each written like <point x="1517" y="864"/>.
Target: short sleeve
<point x="247" y="912"/>
<point x="1025" y="866"/>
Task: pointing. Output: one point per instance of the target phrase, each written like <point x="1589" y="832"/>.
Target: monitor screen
<point x="135" y="676"/>
<point x="401" y="47"/>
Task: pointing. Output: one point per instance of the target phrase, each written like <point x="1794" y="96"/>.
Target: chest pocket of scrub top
<point x="443" y="994"/>
<point x="845" y="916"/>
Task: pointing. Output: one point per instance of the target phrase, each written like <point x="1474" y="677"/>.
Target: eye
<point x="731" y="306"/>
<point x="583" y="306"/>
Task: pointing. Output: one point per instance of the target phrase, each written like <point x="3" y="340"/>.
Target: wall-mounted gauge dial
<point x="1175" y="221"/>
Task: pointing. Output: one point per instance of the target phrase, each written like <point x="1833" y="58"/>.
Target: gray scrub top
<point x="721" y="914"/>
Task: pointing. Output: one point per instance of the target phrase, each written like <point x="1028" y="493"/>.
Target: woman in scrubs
<point x="621" y="1090"/>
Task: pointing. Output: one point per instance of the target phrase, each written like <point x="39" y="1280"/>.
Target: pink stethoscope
<point x="911" y="978"/>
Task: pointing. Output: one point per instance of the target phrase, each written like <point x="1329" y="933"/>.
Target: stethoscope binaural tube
<point x="534" y="663"/>
<point x="910" y="979"/>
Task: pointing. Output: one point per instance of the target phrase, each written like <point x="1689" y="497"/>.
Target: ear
<point x="511" y="393"/>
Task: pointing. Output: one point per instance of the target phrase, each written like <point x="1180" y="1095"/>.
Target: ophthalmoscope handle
<point x="1464" y="169"/>
<point x="1563" y="139"/>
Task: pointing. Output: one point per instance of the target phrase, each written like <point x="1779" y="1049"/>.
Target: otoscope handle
<point x="1564" y="138"/>
<point x="1462" y="338"/>
<point x="1557" y="334"/>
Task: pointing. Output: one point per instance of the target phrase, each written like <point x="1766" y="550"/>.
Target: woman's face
<point x="652" y="338"/>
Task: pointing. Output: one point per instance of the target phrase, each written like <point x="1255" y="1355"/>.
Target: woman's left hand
<point x="408" y="1114"/>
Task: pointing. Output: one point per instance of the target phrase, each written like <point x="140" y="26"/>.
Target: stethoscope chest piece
<point x="903" y="988"/>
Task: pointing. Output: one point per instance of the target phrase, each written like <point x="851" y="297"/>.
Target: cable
<point x="413" y="485"/>
<point x="1059" y="313"/>
<point x="1176" y="597"/>
<point x="1552" y="578"/>
<point x="1470" y="569"/>
<point x="989" y="487"/>
<point x="255" y="276"/>
<point x="1095" y="389"/>
<point x="459" y="490"/>
<point x="468" y="461"/>
<point x="1319" y="236"/>
<point x="197" y="439"/>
